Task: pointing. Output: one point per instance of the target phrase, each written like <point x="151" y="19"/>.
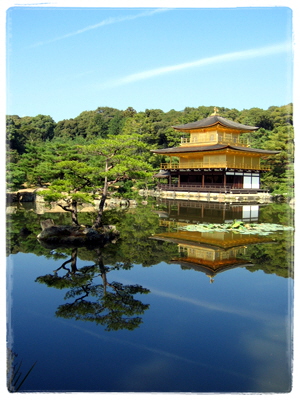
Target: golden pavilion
<point x="214" y="158"/>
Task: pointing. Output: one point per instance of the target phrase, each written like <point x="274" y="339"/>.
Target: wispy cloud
<point x="213" y="306"/>
<point x="160" y="352"/>
<point x="222" y="58"/>
<point x="108" y="21"/>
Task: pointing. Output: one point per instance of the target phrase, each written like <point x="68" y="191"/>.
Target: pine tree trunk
<point x="74" y="213"/>
<point x="74" y="260"/>
<point x="103" y="271"/>
<point x="72" y="210"/>
<point x="98" y="221"/>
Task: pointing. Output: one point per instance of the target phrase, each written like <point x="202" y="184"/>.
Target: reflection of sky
<point x="216" y="307"/>
<point x="269" y="353"/>
<point x="162" y="361"/>
<point x="227" y="336"/>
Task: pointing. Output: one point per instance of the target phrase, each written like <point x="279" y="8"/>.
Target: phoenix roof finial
<point x="216" y="111"/>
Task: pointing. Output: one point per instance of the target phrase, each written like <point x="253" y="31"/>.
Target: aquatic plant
<point x="239" y="227"/>
<point x="14" y="374"/>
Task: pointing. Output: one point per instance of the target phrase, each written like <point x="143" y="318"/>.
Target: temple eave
<point x="187" y="168"/>
<point x="215" y="120"/>
<point x="174" y="151"/>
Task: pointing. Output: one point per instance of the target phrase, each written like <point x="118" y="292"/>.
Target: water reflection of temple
<point x="209" y="252"/>
<point x="194" y="211"/>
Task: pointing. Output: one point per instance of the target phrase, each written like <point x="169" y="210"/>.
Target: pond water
<point x="159" y="310"/>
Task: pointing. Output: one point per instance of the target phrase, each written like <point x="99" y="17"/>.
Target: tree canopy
<point x="36" y="145"/>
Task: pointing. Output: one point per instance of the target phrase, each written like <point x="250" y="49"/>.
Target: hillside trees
<point x="13" y="139"/>
<point x="281" y="115"/>
<point x="32" y="142"/>
<point x="256" y="117"/>
<point x="90" y="124"/>
<point x="280" y="179"/>
<point x="191" y="114"/>
<point x="154" y="125"/>
<point x="22" y="131"/>
<point x="67" y="128"/>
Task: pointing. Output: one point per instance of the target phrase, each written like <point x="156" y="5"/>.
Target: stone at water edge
<point x="77" y="234"/>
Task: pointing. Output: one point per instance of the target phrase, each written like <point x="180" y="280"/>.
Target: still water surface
<point x="160" y="310"/>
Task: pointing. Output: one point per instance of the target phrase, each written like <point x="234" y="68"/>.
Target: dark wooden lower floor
<point x="220" y="181"/>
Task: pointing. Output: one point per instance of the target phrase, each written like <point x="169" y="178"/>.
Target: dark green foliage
<point x="36" y="144"/>
<point x="256" y="117"/>
<point x="277" y="213"/>
<point x="91" y="295"/>
<point x="135" y="246"/>
<point x="28" y="130"/>
<point x="22" y="229"/>
<point x="15" y="176"/>
<point x="273" y="258"/>
<point x="116" y="124"/>
<point x="67" y="128"/>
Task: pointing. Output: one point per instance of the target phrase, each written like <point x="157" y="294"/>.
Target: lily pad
<point x="239" y="227"/>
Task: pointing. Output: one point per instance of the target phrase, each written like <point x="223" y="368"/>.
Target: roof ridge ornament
<point x="216" y="111"/>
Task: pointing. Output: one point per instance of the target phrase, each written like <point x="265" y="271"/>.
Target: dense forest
<point x="112" y="147"/>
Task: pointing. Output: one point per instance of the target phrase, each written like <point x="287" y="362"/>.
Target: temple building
<point x="211" y="252"/>
<point x="213" y="158"/>
<point x="194" y="212"/>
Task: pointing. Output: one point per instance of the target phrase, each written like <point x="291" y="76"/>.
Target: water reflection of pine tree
<point x="114" y="305"/>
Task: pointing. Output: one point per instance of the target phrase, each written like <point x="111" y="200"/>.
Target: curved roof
<point x="214" y="120"/>
<point x="192" y="149"/>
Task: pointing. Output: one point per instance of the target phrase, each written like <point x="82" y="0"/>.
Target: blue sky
<point x="62" y="61"/>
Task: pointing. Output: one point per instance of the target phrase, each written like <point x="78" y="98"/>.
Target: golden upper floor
<point x="214" y="137"/>
<point x="213" y="130"/>
<point x="214" y="142"/>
